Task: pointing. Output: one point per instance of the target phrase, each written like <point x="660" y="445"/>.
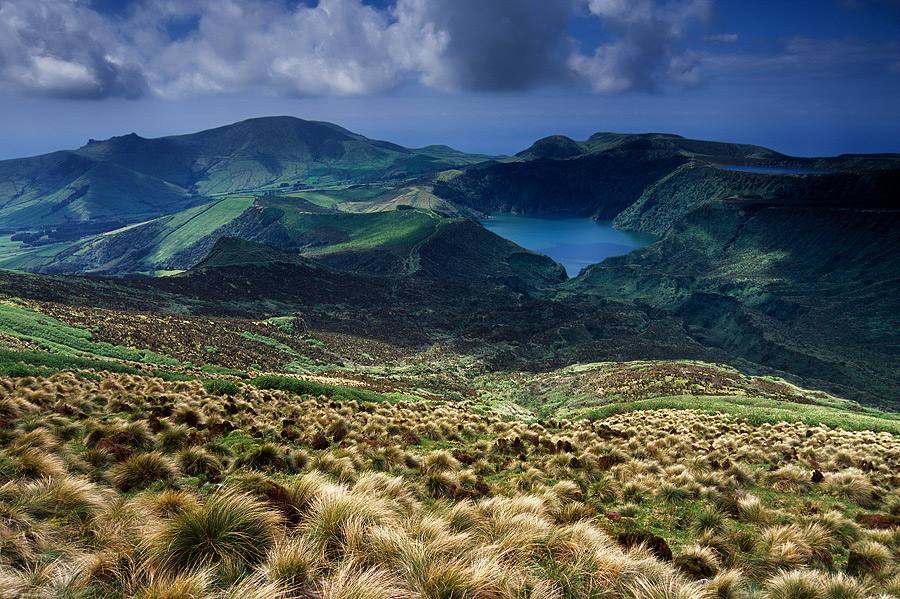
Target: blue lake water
<point x="774" y="170"/>
<point x="573" y="242"/>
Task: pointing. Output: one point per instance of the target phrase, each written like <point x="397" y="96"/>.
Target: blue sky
<point x="804" y="77"/>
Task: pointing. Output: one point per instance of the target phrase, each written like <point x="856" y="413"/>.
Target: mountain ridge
<point x="753" y="269"/>
<point x="251" y="154"/>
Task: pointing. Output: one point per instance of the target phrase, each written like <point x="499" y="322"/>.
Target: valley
<point x="305" y="338"/>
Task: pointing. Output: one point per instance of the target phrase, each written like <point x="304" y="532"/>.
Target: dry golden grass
<point x="134" y="487"/>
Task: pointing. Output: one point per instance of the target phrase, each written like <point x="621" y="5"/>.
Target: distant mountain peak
<point x="555" y="147"/>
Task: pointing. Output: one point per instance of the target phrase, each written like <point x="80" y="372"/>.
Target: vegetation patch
<point x="131" y="486"/>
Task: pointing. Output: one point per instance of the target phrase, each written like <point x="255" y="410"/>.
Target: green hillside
<point x="129" y="179"/>
<point x="69" y="193"/>
<point x="647" y="182"/>
<point x="399" y="242"/>
<point x="807" y="289"/>
<point x="780" y="274"/>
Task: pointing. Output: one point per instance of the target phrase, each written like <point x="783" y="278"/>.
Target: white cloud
<point x="647" y="47"/>
<point x="59" y="48"/>
<point x="347" y="47"/>
<point x="341" y="47"/>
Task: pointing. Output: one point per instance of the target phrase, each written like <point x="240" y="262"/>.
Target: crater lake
<point x="574" y="242"/>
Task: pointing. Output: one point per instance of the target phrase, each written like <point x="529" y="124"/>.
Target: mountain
<point x="790" y="273"/>
<point x="807" y="288"/>
<point x="489" y="301"/>
<point x="130" y="179"/>
<point x="355" y="391"/>
<point x="646" y="182"/>
<point x="398" y="242"/>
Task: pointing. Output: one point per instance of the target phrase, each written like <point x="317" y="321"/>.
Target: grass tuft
<point x="228" y="526"/>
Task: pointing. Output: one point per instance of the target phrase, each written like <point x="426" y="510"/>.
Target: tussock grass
<point x="796" y="584"/>
<point x="127" y="486"/>
<point x="348" y="582"/>
<point x="139" y="471"/>
<point x="293" y="563"/>
<point x="228" y="526"/>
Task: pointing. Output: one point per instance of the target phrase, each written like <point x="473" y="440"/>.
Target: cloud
<point x="62" y="49"/>
<point x="487" y="45"/>
<point x="647" y="47"/>
<point x="801" y="57"/>
<point x="336" y="47"/>
<point x="171" y="48"/>
<point x="101" y="48"/>
<point x="348" y="47"/>
<point x="723" y="38"/>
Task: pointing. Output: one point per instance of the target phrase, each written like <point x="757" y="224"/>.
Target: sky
<point x="803" y="77"/>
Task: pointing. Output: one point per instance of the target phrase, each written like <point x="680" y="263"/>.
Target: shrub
<point x="751" y="509"/>
<point x="173" y="438"/>
<point x="170" y="502"/>
<point x="33" y="463"/>
<point x="267" y="456"/>
<point x="710" y="518"/>
<point x="791" y="478"/>
<point x="698" y="562"/>
<point x="868" y="557"/>
<point x="727" y="584"/>
<point x="440" y="461"/>
<point x="195" y="461"/>
<point x="839" y="526"/>
<point x="841" y="586"/>
<point x="437" y="576"/>
<point x="664" y="587"/>
<point x="334" y="513"/>
<point x="851" y="485"/>
<point x="221" y="387"/>
<point x="191" y="585"/>
<point x="62" y="495"/>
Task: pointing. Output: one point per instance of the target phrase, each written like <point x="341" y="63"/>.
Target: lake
<point x="573" y="242"/>
<point x="773" y="170"/>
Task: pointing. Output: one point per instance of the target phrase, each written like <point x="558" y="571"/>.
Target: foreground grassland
<point x="124" y="485"/>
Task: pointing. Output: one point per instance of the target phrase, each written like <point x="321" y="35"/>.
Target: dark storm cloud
<point x="495" y="44"/>
<point x="62" y="49"/>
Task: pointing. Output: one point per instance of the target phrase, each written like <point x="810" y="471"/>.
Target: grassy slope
<point x="74" y="189"/>
<point x="685" y="189"/>
<point x="125" y="480"/>
<point x="293" y="225"/>
<point x="99" y="466"/>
